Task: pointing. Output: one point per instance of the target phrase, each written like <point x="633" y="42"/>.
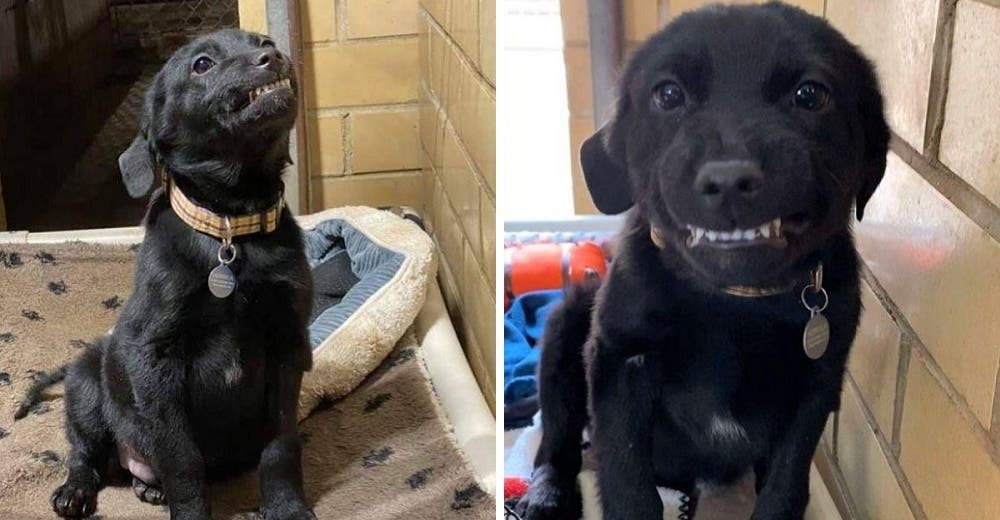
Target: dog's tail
<point x="34" y="393"/>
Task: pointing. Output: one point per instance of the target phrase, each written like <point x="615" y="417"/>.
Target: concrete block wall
<point x="360" y="81"/>
<point x="458" y="140"/>
<point x="918" y="433"/>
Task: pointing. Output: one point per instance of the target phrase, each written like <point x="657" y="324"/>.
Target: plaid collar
<point x="223" y="227"/>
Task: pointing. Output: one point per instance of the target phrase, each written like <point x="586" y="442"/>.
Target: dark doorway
<point x="70" y="97"/>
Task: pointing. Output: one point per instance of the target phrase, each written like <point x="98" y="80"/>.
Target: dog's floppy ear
<point x="876" y="133"/>
<point x="137" y="167"/>
<point x="606" y="176"/>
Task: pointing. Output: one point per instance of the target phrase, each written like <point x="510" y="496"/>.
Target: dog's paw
<point x="147" y="493"/>
<point x="546" y="500"/>
<point x="72" y="500"/>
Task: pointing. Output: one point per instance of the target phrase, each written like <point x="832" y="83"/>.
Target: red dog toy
<point x="514" y="488"/>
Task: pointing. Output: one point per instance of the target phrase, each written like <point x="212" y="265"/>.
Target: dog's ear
<point x="137" y="167"/>
<point x="605" y="172"/>
<point x="876" y="134"/>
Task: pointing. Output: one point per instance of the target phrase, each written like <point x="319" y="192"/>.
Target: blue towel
<point x="522" y="329"/>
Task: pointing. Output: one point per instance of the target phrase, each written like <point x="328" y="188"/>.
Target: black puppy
<point x="718" y="341"/>
<point x="200" y="381"/>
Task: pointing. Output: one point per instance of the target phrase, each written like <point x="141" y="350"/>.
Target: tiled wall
<point x="918" y="434"/>
<point x="457" y="132"/>
<point x="360" y="85"/>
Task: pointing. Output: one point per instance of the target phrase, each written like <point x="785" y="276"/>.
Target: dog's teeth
<point x="749" y="234"/>
<point x="694" y="235"/>
<point x="765" y="230"/>
<point x="776" y="227"/>
<point x="711" y="235"/>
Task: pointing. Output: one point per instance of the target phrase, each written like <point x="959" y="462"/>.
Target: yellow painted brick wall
<point x="919" y="429"/>
<point x="457" y="133"/>
<point x="253" y="15"/>
<point x="360" y="79"/>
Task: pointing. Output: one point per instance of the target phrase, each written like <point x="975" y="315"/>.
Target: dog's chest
<point x="228" y="366"/>
<point x="719" y="383"/>
<point x="229" y="342"/>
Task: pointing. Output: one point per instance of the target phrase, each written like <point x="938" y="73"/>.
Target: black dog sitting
<point x="718" y="341"/>
<point x="199" y="379"/>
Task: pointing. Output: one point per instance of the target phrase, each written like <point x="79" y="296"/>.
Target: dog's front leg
<point x="785" y="490"/>
<point x="621" y="401"/>
<point x="281" y="461"/>
<point x="164" y="433"/>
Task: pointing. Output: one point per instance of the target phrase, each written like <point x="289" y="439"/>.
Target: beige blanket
<point x="383" y="452"/>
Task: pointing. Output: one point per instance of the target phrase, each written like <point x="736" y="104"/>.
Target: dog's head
<point x="218" y="114"/>
<point x="744" y="134"/>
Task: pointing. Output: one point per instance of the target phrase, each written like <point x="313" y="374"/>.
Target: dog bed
<point x="370" y="269"/>
<point x="387" y="449"/>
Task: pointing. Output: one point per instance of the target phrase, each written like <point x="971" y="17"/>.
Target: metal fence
<point x="158" y="27"/>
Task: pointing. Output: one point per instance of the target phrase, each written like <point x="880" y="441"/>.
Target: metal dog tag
<point x="221" y="281"/>
<point x="816" y="336"/>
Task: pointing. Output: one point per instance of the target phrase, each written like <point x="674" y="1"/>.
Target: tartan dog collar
<point x="223" y="227"/>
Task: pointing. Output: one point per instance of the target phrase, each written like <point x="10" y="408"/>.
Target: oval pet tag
<point x="816" y="336"/>
<point x="222" y="283"/>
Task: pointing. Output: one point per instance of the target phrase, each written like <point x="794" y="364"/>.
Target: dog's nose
<point x="267" y="59"/>
<point x="717" y="181"/>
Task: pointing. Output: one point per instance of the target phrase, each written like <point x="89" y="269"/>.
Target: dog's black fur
<point x="680" y="382"/>
<point x="201" y="387"/>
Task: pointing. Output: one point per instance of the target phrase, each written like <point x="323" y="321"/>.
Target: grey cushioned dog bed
<point x="370" y="273"/>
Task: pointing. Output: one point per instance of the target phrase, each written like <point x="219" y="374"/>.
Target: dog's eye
<point x="811" y="96"/>
<point x="668" y="96"/>
<point x="267" y="43"/>
<point x="202" y="65"/>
